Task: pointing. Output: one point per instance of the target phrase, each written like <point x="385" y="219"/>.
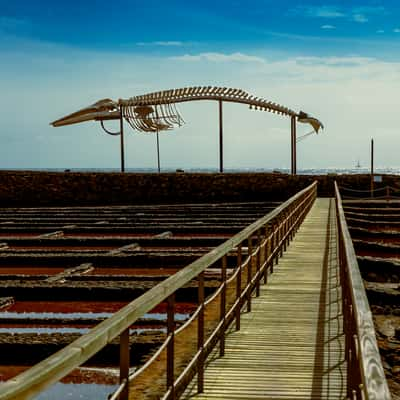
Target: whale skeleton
<point x="157" y="111"/>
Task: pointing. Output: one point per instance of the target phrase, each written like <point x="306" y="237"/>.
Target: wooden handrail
<point x="49" y="371"/>
<point x="366" y="377"/>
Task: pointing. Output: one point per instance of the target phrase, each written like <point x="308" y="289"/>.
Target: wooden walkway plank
<point x="291" y="346"/>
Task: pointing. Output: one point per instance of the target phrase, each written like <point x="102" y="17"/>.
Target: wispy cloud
<point x="361" y="18"/>
<point x="335" y="61"/>
<point x="356" y="14"/>
<point x="328" y="27"/>
<point x="396" y="30"/>
<point x="220" y="57"/>
<point x="173" y="43"/>
<point x="317" y="12"/>
<point x="380" y="31"/>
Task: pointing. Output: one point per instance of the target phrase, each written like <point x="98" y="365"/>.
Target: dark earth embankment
<point x="30" y="188"/>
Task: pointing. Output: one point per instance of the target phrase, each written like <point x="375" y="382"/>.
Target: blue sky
<point x="311" y="27"/>
<point x="337" y="60"/>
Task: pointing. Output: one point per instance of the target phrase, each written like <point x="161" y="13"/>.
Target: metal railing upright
<point x="365" y="374"/>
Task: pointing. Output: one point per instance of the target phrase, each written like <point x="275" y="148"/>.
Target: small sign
<point x="377" y="178"/>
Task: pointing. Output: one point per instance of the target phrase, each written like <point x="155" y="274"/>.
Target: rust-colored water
<point x="108" y="235"/>
<point x="64" y="248"/>
<point x="222" y="236"/>
<point x="185" y="249"/>
<point x="377" y="254"/>
<point x="13" y="270"/>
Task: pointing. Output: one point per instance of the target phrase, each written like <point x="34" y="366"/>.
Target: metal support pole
<point x="249" y="272"/>
<point x="223" y="307"/>
<point x="121" y="132"/>
<point x="124" y="363"/>
<point x="158" y="153"/>
<point x="200" y="335"/>
<point x="372" y="167"/>
<point x="238" y="285"/>
<point x="293" y="146"/>
<point x="171" y="345"/>
<point x="221" y="142"/>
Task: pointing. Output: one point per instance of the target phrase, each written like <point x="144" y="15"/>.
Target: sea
<point x="306" y="171"/>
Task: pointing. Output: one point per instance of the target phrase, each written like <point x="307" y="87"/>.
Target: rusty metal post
<point x="372" y="167"/>
<point x="221" y="139"/>
<point x="238" y="285"/>
<point x="200" y="336"/>
<point x="121" y="133"/>
<point x="280" y="237"/>
<point x="293" y="145"/>
<point x="258" y="262"/>
<point x="285" y="229"/>
<point x="223" y="307"/>
<point x="158" y="153"/>
<point x="267" y="251"/>
<point x="170" y="347"/>
<point x="273" y="244"/>
<point x="249" y="272"/>
<point x="124" y="363"/>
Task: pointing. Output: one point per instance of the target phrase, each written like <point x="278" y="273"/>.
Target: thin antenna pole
<point x="158" y="153"/>
<point x="221" y="140"/>
<point x="121" y="132"/>
<point x="372" y="167"/>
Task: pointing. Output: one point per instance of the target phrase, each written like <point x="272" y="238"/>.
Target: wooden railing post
<point x="223" y="307"/>
<point x="124" y="363"/>
<point x="170" y="347"/>
<point x="200" y="335"/>
<point x="238" y="285"/>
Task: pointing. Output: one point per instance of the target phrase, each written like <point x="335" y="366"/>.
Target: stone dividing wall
<point x="31" y="188"/>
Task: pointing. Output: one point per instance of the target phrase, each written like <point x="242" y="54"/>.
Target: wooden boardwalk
<point x="291" y="346"/>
